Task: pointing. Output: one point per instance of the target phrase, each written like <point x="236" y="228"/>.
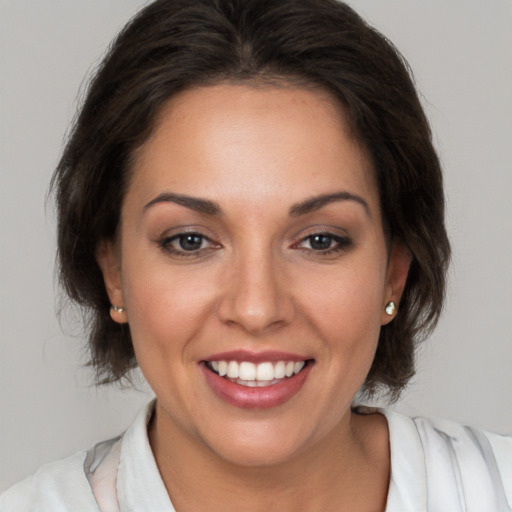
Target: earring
<point x="118" y="309"/>
<point x="390" y="308"/>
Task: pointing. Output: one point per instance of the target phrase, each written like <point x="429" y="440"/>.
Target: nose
<point x="257" y="296"/>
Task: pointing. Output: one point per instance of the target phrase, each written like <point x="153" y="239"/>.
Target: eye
<point x="187" y="244"/>
<point x="190" y="242"/>
<point x="324" y="243"/>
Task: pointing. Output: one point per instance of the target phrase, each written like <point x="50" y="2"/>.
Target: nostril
<point x="255" y="295"/>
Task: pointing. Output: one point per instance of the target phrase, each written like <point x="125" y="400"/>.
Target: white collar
<point x="407" y="486"/>
<point x="140" y="485"/>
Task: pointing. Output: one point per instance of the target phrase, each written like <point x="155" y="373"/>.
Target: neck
<point x="347" y="470"/>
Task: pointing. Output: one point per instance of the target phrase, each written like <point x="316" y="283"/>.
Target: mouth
<point x="250" y="380"/>
<point x="257" y="375"/>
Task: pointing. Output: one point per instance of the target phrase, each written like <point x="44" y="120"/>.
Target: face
<point x="254" y="269"/>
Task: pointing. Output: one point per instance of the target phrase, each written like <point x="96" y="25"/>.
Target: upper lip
<point x="256" y="357"/>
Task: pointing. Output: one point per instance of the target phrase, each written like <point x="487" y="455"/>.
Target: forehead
<point x="244" y="142"/>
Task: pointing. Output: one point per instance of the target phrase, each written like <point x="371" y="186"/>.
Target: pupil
<point x="320" y="242"/>
<point x="190" y="242"/>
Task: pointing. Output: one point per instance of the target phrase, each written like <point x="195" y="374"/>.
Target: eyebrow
<point x="316" y="203"/>
<point x="193" y="203"/>
<point x="209" y="207"/>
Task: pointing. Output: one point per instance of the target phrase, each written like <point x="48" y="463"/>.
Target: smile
<point x="256" y="381"/>
<point x="246" y="373"/>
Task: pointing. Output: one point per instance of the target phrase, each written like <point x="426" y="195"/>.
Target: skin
<point x="257" y="283"/>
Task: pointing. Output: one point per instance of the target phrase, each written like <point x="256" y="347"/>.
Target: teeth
<point x="247" y="371"/>
<point x="233" y="370"/>
<point x="265" y="371"/>
<point x="280" y="370"/>
<point x="223" y="368"/>
<point x="260" y="374"/>
<point x="257" y="383"/>
<point x="297" y="367"/>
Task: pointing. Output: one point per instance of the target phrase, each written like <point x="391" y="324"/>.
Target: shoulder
<point x="480" y="461"/>
<point x="84" y="480"/>
<point x="461" y="465"/>
<point x="56" y="487"/>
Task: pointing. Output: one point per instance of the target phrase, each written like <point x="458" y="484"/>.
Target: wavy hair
<point x="171" y="45"/>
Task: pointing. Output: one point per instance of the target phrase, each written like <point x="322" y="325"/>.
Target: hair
<point x="172" y="45"/>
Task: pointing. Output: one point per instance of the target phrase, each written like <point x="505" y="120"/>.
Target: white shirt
<point x="436" y="466"/>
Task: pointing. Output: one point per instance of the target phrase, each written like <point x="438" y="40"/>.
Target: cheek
<point x="353" y="293"/>
<point x="166" y="316"/>
<point x="166" y="304"/>
<point x="158" y="304"/>
<point x="345" y="306"/>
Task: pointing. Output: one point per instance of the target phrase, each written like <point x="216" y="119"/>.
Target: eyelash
<point x="166" y="244"/>
<point x="341" y="244"/>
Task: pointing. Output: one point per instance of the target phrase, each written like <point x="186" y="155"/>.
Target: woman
<point x="251" y="207"/>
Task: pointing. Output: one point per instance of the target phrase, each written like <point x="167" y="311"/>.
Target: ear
<point x="108" y="260"/>
<point x="396" y="277"/>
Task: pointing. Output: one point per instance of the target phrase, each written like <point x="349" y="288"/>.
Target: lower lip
<point x="255" y="398"/>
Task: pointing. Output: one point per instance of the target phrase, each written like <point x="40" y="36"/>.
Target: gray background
<point x="461" y="53"/>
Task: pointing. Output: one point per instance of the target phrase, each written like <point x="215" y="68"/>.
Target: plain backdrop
<point x="461" y="54"/>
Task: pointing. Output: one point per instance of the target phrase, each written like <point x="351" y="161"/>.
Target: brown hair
<point x="174" y="44"/>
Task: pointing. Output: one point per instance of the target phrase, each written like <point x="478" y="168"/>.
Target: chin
<point x="259" y="443"/>
<point x="259" y="454"/>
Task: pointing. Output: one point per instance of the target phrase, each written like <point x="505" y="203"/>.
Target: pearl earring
<point x="390" y="308"/>
<point x="118" y="309"/>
